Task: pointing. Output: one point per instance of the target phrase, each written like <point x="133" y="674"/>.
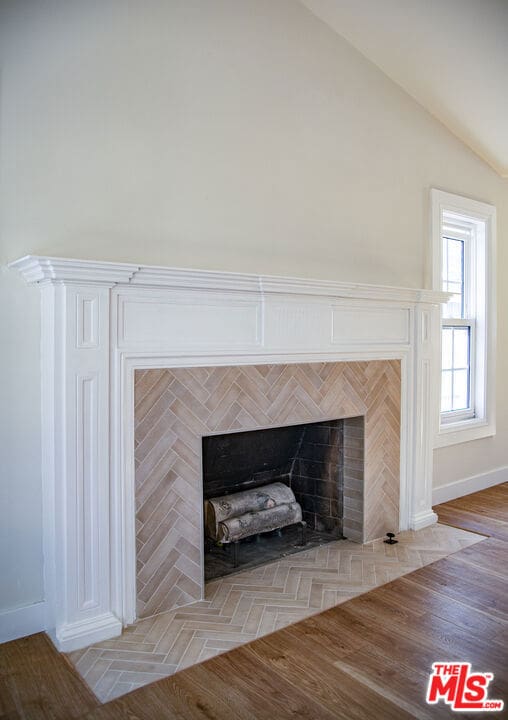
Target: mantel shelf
<point x="41" y="269"/>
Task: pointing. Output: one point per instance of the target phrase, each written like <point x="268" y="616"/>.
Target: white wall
<point x="205" y="133"/>
<point x="20" y="448"/>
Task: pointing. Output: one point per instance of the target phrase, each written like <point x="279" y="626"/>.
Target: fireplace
<point x="312" y="459"/>
<point x="112" y="331"/>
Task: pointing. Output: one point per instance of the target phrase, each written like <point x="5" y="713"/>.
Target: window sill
<point x="464" y="431"/>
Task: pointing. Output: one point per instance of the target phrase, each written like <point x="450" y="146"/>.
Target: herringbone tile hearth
<point x="250" y="604"/>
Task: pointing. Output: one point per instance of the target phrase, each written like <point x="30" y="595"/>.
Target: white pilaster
<point x="78" y="453"/>
<point x="426" y="399"/>
<point x="75" y="445"/>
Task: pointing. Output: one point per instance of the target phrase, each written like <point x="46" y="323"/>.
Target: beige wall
<point x="214" y="134"/>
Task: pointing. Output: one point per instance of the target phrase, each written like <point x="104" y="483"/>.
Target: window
<point x="463" y="265"/>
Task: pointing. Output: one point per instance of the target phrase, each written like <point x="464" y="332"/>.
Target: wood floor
<point x="367" y="658"/>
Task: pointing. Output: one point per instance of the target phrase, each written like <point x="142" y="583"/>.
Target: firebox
<point x="310" y="460"/>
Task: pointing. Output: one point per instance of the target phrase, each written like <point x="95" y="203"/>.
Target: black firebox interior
<point x="307" y="457"/>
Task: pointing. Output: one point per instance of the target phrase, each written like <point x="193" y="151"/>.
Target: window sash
<point x="452" y="416"/>
<point x="464" y="232"/>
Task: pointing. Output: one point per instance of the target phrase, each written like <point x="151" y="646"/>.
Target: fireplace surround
<point x="102" y="322"/>
<point x="175" y="408"/>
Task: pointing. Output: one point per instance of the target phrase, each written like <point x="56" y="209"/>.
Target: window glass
<point x="455" y="393"/>
<point x="461" y="347"/>
<point x="447" y="348"/>
<point x="446" y="391"/>
<point x="460" y="389"/>
<point x="453" y="276"/>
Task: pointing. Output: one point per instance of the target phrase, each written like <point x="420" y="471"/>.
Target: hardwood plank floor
<point x="485" y="512"/>
<point x="37" y="682"/>
<point x="367" y="658"/>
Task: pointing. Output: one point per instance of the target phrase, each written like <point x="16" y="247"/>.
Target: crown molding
<point x="183" y="278"/>
<point x="40" y="269"/>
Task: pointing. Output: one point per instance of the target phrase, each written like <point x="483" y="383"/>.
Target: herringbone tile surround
<point x="174" y="408"/>
<point x="242" y="607"/>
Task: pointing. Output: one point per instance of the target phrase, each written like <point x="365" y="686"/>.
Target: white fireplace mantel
<point x="103" y="320"/>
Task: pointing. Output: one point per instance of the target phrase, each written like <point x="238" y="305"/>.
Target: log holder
<point x="235" y="544"/>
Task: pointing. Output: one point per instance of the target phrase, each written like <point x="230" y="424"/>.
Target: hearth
<point x="311" y="460"/>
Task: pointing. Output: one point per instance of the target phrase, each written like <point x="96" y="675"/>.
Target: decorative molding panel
<point x="170" y="321"/>
<point x="87" y="322"/>
<point x="426" y="399"/>
<point x="297" y="323"/>
<point x="105" y="320"/>
<point x="86" y="496"/>
<point x="355" y="324"/>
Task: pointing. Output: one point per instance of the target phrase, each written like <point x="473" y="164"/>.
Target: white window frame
<point x="465" y="231"/>
<point x="478" y="221"/>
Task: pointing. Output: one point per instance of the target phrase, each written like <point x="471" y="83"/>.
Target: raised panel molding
<point x="367" y="324"/>
<point x="103" y="321"/>
<point x="294" y="323"/>
<point x="155" y="321"/>
<point x="426" y="400"/>
<point x="87" y="461"/>
<point x="87" y="321"/>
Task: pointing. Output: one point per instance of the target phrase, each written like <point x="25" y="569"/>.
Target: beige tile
<point x="108" y="683"/>
<point x="175" y="645"/>
<point x="96" y="671"/>
<point x="142" y="678"/>
<point x="119" y="689"/>
<point x="137" y="657"/>
<point x="132" y="666"/>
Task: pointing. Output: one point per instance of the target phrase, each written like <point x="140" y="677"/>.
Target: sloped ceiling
<point x="450" y="55"/>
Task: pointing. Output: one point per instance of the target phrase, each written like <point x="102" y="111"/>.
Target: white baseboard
<point x="75" y="636"/>
<point x="469" y="485"/>
<point x="21" y="621"/>
<point x="423" y="519"/>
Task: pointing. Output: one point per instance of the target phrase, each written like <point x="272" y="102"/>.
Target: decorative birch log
<point x="222" y="510"/>
<point x="252" y="523"/>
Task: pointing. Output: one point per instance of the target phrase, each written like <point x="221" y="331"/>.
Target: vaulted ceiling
<point x="450" y="55"/>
